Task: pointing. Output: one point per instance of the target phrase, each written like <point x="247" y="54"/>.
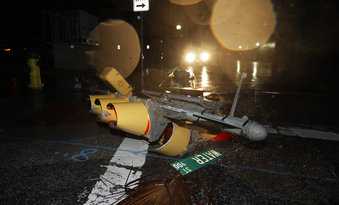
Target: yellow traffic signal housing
<point x="112" y="77"/>
<point x="174" y="140"/>
<point x="95" y="102"/>
<point x="99" y="101"/>
<point x="131" y="117"/>
<point x="119" y="112"/>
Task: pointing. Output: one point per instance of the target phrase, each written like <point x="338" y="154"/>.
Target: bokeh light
<point x="190" y="57"/>
<point x="204" y="56"/>
<point x="242" y="24"/>
<point x="117" y="45"/>
<point x="185" y="2"/>
<point x="200" y="13"/>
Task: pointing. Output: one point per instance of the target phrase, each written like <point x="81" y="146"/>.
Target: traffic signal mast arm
<point x="197" y="110"/>
<point x="247" y="128"/>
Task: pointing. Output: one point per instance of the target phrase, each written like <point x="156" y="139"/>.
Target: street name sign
<point x="192" y="163"/>
<point x="140" y="5"/>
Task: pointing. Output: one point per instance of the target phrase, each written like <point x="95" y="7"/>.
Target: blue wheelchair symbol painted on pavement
<point x="83" y="156"/>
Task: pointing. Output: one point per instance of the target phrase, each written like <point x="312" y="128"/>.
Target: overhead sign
<point x="192" y="163"/>
<point x="140" y="5"/>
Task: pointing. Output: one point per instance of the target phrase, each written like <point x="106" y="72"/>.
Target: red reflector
<point x="222" y="136"/>
<point x="168" y="132"/>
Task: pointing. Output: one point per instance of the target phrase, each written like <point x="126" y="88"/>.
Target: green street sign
<point x="192" y="163"/>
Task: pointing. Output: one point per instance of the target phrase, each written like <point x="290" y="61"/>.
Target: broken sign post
<point x="192" y="163"/>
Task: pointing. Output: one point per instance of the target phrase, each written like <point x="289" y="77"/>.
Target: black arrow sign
<point x="142" y="5"/>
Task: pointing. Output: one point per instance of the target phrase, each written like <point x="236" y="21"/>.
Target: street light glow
<point x="204" y="56"/>
<point x="178" y="27"/>
<point x="190" y="57"/>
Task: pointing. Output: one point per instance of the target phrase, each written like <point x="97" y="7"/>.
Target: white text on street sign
<point x="192" y="163"/>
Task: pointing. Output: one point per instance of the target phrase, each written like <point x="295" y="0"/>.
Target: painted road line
<point x="168" y="158"/>
<point x="303" y="132"/>
<point x="114" y="179"/>
<point x="290" y="174"/>
<point x="308" y="133"/>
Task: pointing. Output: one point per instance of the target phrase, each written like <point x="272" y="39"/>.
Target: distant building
<point x="67" y="33"/>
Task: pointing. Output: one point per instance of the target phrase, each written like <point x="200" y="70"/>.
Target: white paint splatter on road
<point x="114" y="179"/>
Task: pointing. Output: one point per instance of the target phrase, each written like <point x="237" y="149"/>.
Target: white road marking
<point x="114" y="179"/>
<point x="307" y="133"/>
<point x="302" y="132"/>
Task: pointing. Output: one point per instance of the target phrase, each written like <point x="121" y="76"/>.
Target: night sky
<point x="310" y="19"/>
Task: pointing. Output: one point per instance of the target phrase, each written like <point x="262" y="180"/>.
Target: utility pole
<point x="140" y="6"/>
<point x="142" y="48"/>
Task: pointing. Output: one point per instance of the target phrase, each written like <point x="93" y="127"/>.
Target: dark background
<point x="305" y="35"/>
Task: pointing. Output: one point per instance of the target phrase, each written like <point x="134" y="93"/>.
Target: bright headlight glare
<point x="204" y="56"/>
<point x="190" y="57"/>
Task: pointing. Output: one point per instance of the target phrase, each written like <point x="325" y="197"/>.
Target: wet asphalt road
<point x="53" y="152"/>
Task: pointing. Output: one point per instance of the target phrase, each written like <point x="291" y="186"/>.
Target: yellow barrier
<point x="34" y="75"/>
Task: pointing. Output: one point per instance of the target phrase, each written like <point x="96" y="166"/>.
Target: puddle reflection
<point x="214" y="79"/>
<point x="204" y="78"/>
